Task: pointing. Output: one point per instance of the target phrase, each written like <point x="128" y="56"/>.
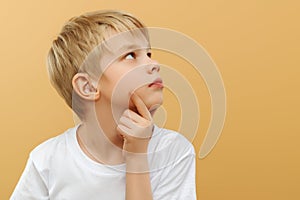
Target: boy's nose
<point x="153" y="66"/>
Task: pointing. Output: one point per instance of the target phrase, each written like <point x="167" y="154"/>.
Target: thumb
<point x="141" y="107"/>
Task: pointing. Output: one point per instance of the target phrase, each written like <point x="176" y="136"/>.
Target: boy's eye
<point x="130" y="56"/>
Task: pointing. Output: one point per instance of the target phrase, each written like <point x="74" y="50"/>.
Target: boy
<point x="101" y="65"/>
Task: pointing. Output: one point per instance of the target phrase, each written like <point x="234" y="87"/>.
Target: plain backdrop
<point x="254" y="43"/>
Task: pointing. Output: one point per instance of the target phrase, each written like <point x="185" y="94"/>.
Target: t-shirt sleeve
<point x="177" y="181"/>
<point x="31" y="185"/>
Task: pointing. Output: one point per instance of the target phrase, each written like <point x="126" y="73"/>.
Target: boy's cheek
<point x="121" y="91"/>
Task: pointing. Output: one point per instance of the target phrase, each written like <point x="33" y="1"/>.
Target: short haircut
<point x="78" y="37"/>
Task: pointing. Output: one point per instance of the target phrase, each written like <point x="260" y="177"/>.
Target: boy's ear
<point x="85" y="87"/>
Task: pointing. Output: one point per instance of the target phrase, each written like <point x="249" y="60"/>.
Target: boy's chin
<point x="151" y="107"/>
<point x="154" y="107"/>
<point x="153" y="102"/>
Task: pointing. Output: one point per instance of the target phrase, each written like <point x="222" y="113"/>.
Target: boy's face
<point x="128" y="67"/>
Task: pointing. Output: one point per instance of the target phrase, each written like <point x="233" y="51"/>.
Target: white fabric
<point x="59" y="170"/>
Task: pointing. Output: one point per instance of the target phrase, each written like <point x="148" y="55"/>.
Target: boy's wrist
<point x="138" y="146"/>
<point x="136" y="162"/>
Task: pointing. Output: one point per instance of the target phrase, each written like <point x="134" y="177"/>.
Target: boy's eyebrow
<point x="133" y="47"/>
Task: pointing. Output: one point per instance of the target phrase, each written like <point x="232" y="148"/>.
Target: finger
<point x="132" y="115"/>
<point x="141" y="107"/>
<point x="126" y="122"/>
<point x="123" y="130"/>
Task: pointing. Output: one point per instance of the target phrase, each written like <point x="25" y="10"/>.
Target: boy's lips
<point x="157" y="82"/>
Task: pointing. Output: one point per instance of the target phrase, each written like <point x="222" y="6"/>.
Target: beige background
<point x="256" y="47"/>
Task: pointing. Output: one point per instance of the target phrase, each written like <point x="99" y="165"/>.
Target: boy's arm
<point x="31" y="185"/>
<point x="137" y="130"/>
<point x="138" y="185"/>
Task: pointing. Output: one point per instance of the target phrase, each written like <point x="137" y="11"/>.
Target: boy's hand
<point x="135" y="128"/>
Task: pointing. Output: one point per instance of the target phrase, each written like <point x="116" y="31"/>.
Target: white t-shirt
<point x="59" y="170"/>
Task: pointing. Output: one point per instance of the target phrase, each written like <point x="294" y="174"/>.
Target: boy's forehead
<point x="124" y="41"/>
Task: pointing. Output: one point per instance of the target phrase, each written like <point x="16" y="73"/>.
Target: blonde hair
<point x="78" y="37"/>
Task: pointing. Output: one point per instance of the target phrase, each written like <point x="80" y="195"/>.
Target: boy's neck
<point x="98" y="134"/>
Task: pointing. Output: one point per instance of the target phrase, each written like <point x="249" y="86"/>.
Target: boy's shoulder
<point x="166" y="137"/>
<point x="165" y="144"/>
<point x="53" y="142"/>
<point x="57" y="145"/>
<point x="169" y="147"/>
<point x="161" y="138"/>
